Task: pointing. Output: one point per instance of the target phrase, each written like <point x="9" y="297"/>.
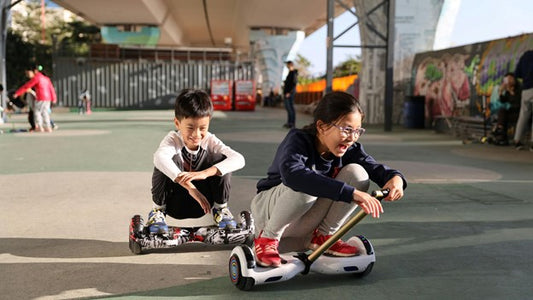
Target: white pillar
<point x="271" y="51"/>
<point x="4" y="15"/>
<point x="415" y="28"/>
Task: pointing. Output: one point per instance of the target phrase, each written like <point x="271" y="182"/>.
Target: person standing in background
<point x="289" y="90"/>
<point x="524" y="70"/>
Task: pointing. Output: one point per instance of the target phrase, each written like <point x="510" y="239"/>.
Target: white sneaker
<point x="223" y="216"/>
<point x="156" y="222"/>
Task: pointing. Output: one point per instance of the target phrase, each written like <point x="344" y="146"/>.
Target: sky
<point x="476" y="21"/>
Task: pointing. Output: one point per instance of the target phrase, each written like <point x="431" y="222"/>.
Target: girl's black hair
<point x="332" y="107"/>
<point x="192" y="103"/>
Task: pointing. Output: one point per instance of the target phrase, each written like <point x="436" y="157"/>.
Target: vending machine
<point x="244" y="95"/>
<point x="221" y="94"/>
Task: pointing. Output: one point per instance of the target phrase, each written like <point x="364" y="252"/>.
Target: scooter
<point x="141" y="239"/>
<point x="245" y="273"/>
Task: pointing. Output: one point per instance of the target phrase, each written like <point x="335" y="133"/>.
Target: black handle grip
<point x="380" y="194"/>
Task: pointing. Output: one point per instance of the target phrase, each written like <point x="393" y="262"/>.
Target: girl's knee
<point x="356" y="176"/>
<point x="299" y="197"/>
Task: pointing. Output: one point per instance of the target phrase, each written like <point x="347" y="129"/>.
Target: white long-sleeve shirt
<point x="173" y="144"/>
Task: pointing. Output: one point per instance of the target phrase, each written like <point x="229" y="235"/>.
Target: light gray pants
<point x="41" y="114"/>
<point x="526" y="109"/>
<point x="282" y="212"/>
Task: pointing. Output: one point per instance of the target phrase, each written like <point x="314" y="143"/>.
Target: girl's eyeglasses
<point x="349" y="131"/>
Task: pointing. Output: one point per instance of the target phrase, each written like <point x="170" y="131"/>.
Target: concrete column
<point x="415" y="24"/>
<point x="372" y="75"/>
<point x="416" y="28"/>
<point x="4" y="15"/>
<point x="271" y="51"/>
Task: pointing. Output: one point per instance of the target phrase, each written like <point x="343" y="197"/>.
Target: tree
<point x="302" y="64"/>
<point x="26" y="22"/>
<point x="71" y="38"/>
<point x="76" y="38"/>
<point x="349" y="67"/>
<point x="25" y="46"/>
<point x="20" y="54"/>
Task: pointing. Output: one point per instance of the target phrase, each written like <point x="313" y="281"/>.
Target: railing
<point x="137" y="84"/>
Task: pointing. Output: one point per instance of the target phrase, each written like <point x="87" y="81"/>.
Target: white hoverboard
<point x="245" y="273"/>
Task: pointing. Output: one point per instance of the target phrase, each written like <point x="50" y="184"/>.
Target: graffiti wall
<point x="456" y="81"/>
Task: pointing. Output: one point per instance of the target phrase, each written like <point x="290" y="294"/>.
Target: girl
<point x="318" y="177"/>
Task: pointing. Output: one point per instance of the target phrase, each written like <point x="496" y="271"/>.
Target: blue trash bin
<point x="413" y="112"/>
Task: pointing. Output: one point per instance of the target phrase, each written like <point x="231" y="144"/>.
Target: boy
<point x="192" y="167"/>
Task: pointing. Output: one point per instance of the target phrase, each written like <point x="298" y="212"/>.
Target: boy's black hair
<point x="332" y="107"/>
<point x="193" y="103"/>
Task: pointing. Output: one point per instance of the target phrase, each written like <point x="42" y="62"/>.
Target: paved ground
<point x="463" y="230"/>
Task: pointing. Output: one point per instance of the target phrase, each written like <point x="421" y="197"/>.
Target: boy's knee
<point x="356" y="176"/>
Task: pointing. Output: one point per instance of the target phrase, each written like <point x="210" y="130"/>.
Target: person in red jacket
<point x="45" y="95"/>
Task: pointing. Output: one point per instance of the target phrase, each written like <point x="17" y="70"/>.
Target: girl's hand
<point x="369" y="204"/>
<point x="395" y="186"/>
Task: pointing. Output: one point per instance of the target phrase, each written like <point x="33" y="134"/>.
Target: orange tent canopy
<point x="339" y="84"/>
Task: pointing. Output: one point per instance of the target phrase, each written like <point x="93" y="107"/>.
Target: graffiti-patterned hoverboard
<point x="140" y="238"/>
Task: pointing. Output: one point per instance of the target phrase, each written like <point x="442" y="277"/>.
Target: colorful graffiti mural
<point x="455" y="81"/>
<point x="500" y="57"/>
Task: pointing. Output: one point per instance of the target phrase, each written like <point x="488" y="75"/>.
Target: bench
<point x="470" y="128"/>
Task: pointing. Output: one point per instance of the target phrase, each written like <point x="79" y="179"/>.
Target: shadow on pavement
<point x="69" y="248"/>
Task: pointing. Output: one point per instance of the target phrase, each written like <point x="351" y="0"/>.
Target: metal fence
<point x="138" y="84"/>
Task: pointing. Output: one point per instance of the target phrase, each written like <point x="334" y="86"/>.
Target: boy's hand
<point x="184" y="177"/>
<point x="395" y="186"/>
<point x="185" y="180"/>
<point x="201" y="199"/>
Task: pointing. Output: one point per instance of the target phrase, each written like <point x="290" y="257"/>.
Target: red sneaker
<point x="266" y="252"/>
<point x="340" y="248"/>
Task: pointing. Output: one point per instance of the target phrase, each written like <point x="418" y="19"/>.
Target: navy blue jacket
<point x="299" y="166"/>
<point x="524" y="69"/>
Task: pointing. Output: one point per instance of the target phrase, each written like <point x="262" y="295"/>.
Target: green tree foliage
<point x="302" y="64"/>
<point x="19" y="55"/>
<point x="76" y="38"/>
<point x="25" y="45"/>
<point x="349" y="67"/>
<point x="27" y="23"/>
